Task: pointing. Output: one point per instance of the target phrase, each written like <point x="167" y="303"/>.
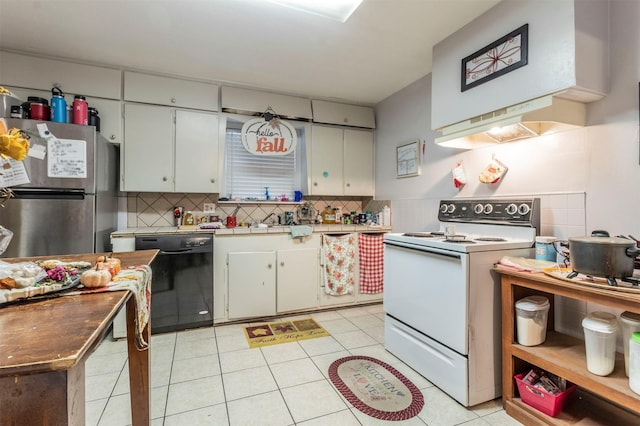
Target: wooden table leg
<point x="49" y="398"/>
<point x="139" y="370"/>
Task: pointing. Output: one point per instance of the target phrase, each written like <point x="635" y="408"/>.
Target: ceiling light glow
<point x="339" y="10"/>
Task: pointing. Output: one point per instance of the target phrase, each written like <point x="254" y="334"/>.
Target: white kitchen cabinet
<point x="330" y="300"/>
<point x="31" y="72"/>
<point x="252" y="284"/>
<point x="196" y="139"/>
<point x="326" y="171"/>
<point x="109" y="110"/>
<point x="148" y="149"/>
<point x="245" y="101"/>
<point x="358" y="162"/>
<point x="341" y="161"/>
<point x="297" y="275"/>
<point x="343" y="114"/>
<point x="110" y="113"/>
<point x="169" y="150"/>
<point x="175" y="92"/>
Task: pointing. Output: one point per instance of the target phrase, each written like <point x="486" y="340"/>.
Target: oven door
<point x="427" y="289"/>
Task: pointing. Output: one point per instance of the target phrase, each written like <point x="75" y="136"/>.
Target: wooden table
<point x="44" y="346"/>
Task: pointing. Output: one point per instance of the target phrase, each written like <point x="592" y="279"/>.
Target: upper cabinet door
<point x="196" y="152"/>
<point x="343" y="114"/>
<point x="358" y="162"/>
<point x="43" y="74"/>
<point x="246" y="101"/>
<point x="110" y="113"/>
<point x="147" y="157"/>
<point x="326" y="161"/>
<point x="175" y="92"/>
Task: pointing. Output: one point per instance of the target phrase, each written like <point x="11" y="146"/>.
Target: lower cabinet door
<point x="298" y="276"/>
<point x="252" y="284"/>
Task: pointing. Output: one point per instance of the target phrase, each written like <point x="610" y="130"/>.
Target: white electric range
<point x="442" y="299"/>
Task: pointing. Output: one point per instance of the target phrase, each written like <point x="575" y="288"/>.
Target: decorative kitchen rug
<point x="274" y="333"/>
<point x="376" y="388"/>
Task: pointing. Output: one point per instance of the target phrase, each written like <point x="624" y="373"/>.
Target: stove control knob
<point x="443" y="208"/>
<point x="512" y="209"/>
<point x="478" y="208"/>
<point x="451" y="208"/>
<point x="488" y="208"/>
<point x="524" y="209"/>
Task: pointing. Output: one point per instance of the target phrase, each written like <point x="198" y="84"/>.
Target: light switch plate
<point x="209" y="207"/>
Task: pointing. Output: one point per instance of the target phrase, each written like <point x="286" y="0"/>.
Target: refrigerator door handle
<point x="42" y="194"/>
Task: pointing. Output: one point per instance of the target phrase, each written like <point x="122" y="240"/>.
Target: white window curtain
<point x="248" y="175"/>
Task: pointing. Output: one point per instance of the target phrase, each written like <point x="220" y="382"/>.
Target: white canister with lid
<point x="545" y="248"/>
<point x="630" y="323"/>
<point x="531" y="320"/>
<point x="600" y="342"/>
<point x="634" y="362"/>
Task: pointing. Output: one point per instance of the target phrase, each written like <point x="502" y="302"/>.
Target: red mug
<point x="231" y="222"/>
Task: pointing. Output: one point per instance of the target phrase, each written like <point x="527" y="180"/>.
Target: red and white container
<point x="80" y="110"/>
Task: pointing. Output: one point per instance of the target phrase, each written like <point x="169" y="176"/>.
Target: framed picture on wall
<point x="408" y="159"/>
<point x="498" y="58"/>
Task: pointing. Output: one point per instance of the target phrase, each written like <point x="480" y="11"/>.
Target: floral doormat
<point x="376" y="388"/>
<point x="283" y="332"/>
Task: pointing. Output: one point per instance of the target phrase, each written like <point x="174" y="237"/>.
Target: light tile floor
<point x="210" y="376"/>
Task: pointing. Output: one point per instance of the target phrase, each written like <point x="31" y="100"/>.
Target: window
<point x="247" y="175"/>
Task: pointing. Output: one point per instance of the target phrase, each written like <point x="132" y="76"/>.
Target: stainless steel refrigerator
<point x="68" y="201"/>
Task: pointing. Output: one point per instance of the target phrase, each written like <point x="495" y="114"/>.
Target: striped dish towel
<point x="371" y="251"/>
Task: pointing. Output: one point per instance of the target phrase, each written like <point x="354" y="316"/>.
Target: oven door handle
<point x="429" y="250"/>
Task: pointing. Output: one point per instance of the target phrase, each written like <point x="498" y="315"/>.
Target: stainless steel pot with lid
<point x="603" y="256"/>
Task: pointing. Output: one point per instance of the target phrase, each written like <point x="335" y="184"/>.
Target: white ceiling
<point x="383" y="47"/>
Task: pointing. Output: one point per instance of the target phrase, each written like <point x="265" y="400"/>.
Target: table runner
<point x="136" y="279"/>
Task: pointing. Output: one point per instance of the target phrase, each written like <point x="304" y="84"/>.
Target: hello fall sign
<point x="273" y="137"/>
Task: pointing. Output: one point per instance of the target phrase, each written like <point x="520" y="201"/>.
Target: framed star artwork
<point x="498" y="58"/>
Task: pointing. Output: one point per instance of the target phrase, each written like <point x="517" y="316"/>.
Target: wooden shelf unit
<point x="600" y="400"/>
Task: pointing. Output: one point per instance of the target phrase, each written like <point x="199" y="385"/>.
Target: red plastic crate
<point x="542" y="400"/>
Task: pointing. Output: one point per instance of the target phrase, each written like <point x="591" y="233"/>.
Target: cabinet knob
<point x="315" y="183"/>
<point x="348" y="184"/>
<point x="269" y="266"/>
<point x="212" y="180"/>
<point x="173" y="100"/>
<point x="281" y="263"/>
<point x="112" y="137"/>
<point x="164" y="178"/>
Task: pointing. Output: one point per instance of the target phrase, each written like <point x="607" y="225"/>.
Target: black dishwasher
<point x="182" y="281"/>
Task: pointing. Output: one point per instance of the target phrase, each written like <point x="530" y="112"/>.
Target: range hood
<point x="537" y="117"/>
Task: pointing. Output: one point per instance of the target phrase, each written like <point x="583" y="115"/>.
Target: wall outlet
<point x="209" y="207"/>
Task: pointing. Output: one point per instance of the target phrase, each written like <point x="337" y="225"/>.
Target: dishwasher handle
<point x="174" y="252"/>
<point x="176" y="244"/>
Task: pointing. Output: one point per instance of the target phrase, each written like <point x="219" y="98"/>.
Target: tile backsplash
<point x="563" y="215"/>
<point x="156" y="209"/>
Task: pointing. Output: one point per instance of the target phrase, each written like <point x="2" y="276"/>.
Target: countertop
<point x="132" y="232"/>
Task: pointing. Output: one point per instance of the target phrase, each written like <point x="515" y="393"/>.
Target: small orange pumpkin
<point x="95" y="277"/>
<point x="111" y="263"/>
